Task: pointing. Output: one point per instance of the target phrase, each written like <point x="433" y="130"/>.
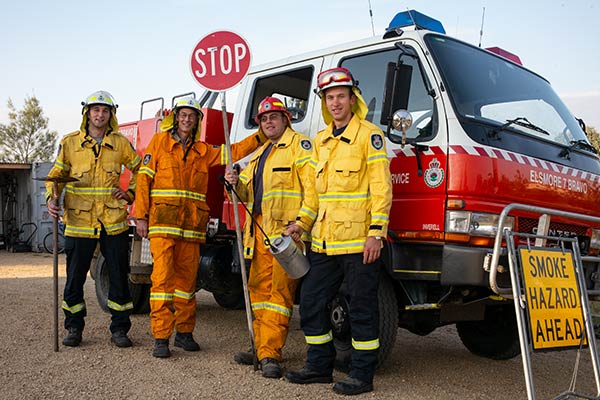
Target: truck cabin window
<point x="490" y="91"/>
<point x="370" y="70"/>
<point x="292" y="87"/>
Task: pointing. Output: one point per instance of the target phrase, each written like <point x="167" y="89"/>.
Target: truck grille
<point x="529" y="225"/>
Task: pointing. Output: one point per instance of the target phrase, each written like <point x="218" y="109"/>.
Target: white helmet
<point x="189" y="103"/>
<point x="100" y="97"/>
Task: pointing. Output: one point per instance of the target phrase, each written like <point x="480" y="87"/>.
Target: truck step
<point x="424" y="306"/>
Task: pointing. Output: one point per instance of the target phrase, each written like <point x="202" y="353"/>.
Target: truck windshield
<point x="490" y="90"/>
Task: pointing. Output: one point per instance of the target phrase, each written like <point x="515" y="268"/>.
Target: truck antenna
<point x="481" y="30"/>
<point x="371" y="14"/>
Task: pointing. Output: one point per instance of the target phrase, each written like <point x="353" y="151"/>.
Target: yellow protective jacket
<point x="88" y="202"/>
<point x="171" y="191"/>
<point x="287" y="178"/>
<point x="353" y="189"/>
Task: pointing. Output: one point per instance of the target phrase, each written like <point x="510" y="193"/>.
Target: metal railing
<point x="492" y="259"/>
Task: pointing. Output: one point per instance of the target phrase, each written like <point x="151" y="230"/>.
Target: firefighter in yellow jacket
<point x="95" y="211"/>
<point x="274" y="185"/>
<point x="171" y="211"/>
<point x="349" y="219"/>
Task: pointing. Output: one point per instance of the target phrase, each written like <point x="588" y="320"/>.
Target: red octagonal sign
<point x="220" y="60"/>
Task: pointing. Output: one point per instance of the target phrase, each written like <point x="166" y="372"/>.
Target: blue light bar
<point x="416" y="19"/>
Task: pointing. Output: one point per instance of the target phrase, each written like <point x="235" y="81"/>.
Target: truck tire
<point x="496" y="337"/>
<point x="388" y="324"/>
<point x="140" y="293"/>
<point x="232" y="301"/>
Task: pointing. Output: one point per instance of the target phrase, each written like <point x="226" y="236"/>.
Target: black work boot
<point x="306" y="375"/>
<point x="161" y="348"/>
<point x="270" y="368"/>
<point x="120" y="339"/>
<point x="73" y="338"/>
<point x="186" y="341"/>
<point x="351" y="386"/>
<point x="244" y="357"/>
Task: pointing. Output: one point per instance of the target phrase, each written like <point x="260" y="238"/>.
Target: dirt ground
<point x="436" y="366"/>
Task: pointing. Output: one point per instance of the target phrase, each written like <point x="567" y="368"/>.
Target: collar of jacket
<point x="284" y="141"/>
<point x="195" y="146"/>
<point x="349" y="135"/>
<point x="89" y="142"/>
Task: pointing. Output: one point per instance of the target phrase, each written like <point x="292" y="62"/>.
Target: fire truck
<point x="469" y="131"/>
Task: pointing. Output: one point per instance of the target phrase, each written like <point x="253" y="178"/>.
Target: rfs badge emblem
<point x="434" y="175"/>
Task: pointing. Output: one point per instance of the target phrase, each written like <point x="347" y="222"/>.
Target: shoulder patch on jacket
<point x="305" y="144"/>
<point x="147" y="158"/>
<point x="376" y="141"/>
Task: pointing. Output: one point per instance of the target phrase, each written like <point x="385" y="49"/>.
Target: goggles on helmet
<point x="334" y="77"/>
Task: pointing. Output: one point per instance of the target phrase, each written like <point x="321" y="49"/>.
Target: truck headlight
<point x="476" y="224"/>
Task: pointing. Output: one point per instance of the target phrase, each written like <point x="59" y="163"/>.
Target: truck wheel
<point x="496" y="337"/>
<point x="388" y="324"/>
<point x="231" y="300"/>
<point x="140" y="293"/>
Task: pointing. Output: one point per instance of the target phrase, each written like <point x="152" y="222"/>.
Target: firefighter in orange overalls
<point x="274" y="184"/>
<point x="172" y="212"/>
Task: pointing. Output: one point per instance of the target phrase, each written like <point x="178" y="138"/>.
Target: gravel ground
<point x="433" y="367"/>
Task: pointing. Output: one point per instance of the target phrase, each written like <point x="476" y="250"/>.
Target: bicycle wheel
<point x="49" y="243"/>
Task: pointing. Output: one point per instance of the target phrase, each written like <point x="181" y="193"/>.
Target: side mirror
<point x="401" y="121"/>
<point x="396" y="91"/>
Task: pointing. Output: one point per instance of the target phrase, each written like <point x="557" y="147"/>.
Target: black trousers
<point x="319" y="287"/>
<point x="79" y="256"/>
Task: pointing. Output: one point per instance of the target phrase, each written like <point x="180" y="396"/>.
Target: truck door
<point x="292" y="83"/>
<point x="419" y="167"/>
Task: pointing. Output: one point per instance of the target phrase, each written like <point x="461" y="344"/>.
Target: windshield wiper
<point x="577" y="144"/>
<point x="521" y="121"/>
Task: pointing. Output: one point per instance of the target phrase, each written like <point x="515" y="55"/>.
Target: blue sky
<point x="62" y="50"/>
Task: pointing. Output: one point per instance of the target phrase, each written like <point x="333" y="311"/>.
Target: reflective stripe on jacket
<point x="353" y="189"/>
<point x="171" y="192"/>
<point x="89" y="202"/>
<point x="287" y="176"/>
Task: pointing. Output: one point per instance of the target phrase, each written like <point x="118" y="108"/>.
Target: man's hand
<point x="372" y="250"/>
<point x="120" y="194"/>
<point x="294" y="231"/>
<point x="141" y="227"/>
<point x="53" y="208"/>
<point x="231" y="176"/>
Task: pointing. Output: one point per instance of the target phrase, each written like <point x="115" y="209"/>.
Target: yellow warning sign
<point x="553" y="301"/>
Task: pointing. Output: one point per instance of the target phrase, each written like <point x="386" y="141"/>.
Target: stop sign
<point x="220" y="60"/>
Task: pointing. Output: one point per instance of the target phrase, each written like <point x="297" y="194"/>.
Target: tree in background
<point x="26" y="137"/>
<point x="593" y="137"/>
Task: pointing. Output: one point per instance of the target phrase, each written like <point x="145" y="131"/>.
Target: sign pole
<point x="55" y="195"/>
<point x="238" y="234"/>
<point x="219" y="61"/>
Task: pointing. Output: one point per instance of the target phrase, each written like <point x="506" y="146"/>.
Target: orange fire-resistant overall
<point x="286" y="176"/>
<point x="172" y="197"/>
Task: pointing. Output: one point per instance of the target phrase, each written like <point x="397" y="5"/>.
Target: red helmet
<point x="270" y="104"/>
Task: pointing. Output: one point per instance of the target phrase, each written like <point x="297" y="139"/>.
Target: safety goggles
<point x="334" y="75"/>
